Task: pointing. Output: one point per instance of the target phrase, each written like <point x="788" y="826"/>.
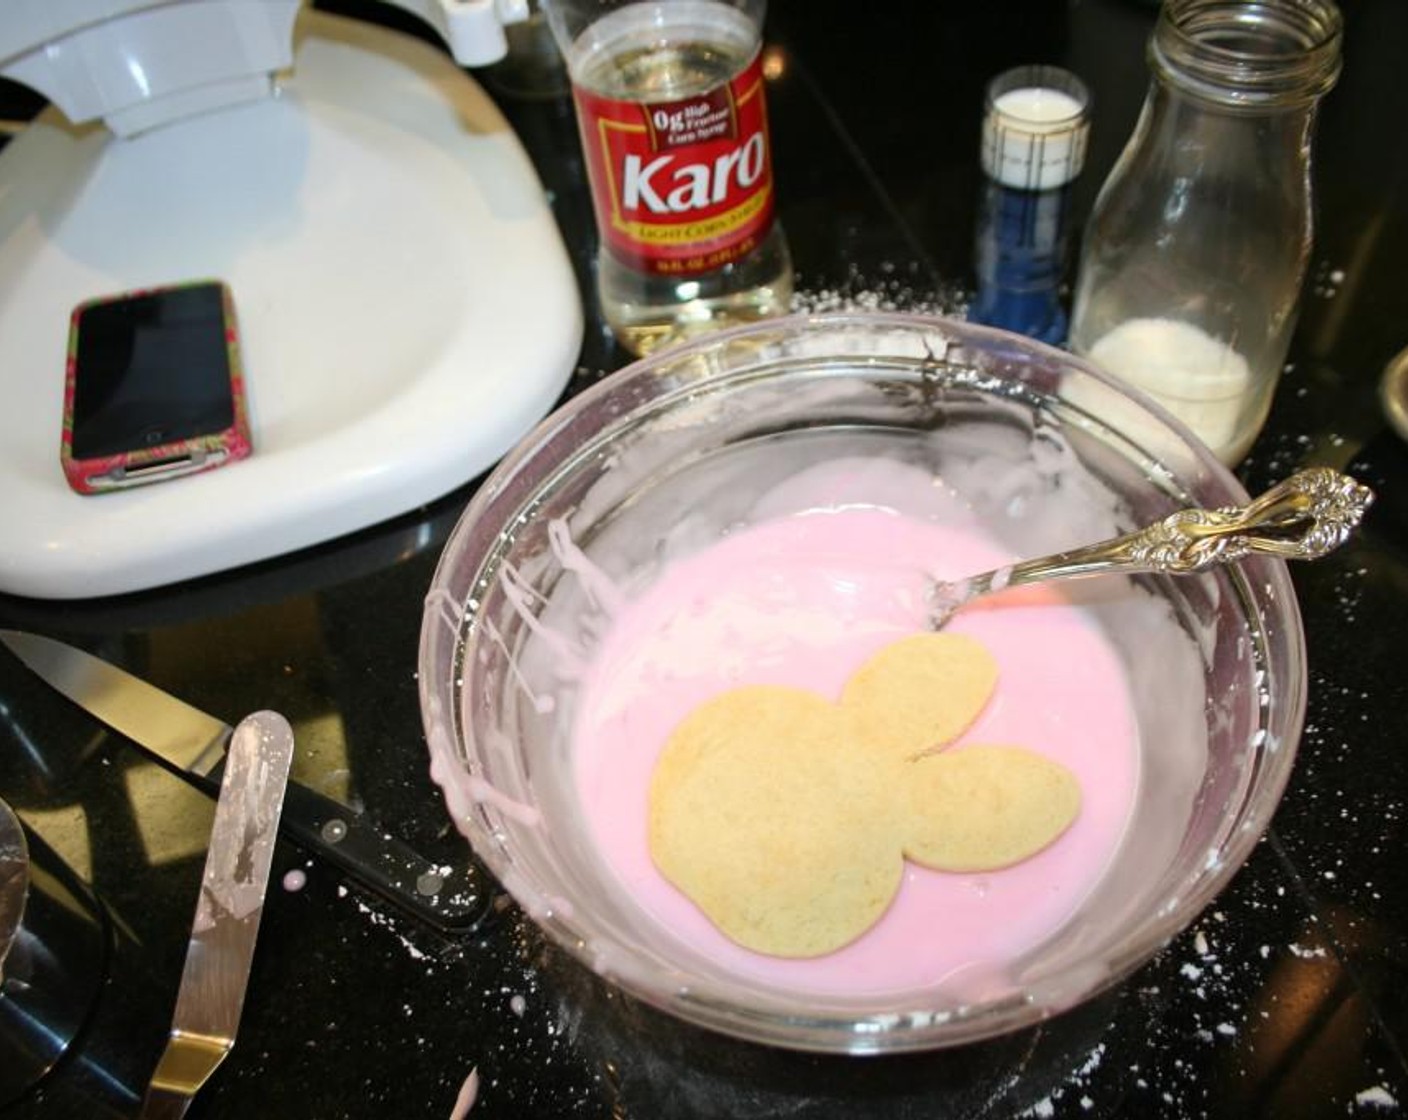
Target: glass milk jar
<point x="1196" y="250"/>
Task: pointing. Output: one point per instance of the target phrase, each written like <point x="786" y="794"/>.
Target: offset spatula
<point x="226" y="926"/>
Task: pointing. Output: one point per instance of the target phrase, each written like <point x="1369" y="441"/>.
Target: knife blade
<point x="193" y="744"/>
<point x="226" y="927"/>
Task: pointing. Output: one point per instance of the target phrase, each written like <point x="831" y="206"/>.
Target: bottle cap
<point x="1036" y="128"/>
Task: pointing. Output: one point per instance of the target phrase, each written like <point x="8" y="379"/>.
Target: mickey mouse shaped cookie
<point x="786" y="817"/>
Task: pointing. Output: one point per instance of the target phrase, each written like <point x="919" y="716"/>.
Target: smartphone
<point x="154" y="389"/>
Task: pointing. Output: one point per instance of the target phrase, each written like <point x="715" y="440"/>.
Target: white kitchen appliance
<point x="406" y="305"/>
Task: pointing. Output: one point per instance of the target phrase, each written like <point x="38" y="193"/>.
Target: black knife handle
<point x="454" y="900"/>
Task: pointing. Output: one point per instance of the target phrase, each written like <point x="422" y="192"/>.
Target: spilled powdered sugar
<point x="377" y="918"/>
<point x="497" y="975"/>
<point x="1217" y="993"/>
<point x="893" y="290"/>
<point x="1376" y="1097"/>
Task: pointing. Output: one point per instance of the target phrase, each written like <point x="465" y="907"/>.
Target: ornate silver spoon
<point x="1303" y="518"/>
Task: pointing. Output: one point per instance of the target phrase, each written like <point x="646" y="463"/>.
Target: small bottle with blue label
<point x="1035" y="130"/>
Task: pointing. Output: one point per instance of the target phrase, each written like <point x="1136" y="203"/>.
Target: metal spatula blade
<point x="226" y="924"/>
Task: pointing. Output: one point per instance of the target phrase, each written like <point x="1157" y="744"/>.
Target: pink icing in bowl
<point x="950" y="426"/>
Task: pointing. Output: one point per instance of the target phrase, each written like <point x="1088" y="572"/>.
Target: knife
<point x="193" y="744"/>
<point x="213" y="981"/>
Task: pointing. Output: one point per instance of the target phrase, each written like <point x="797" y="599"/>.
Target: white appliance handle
<point x="138" y="64"/>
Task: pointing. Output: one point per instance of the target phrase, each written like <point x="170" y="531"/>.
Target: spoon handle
<point x="1302" y="518"/>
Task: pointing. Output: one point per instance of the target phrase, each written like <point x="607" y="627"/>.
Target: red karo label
<point x="681" y="187"/>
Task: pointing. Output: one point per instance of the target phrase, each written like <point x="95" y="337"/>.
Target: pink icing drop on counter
<point x="468" y="1094"/>
<point x="804" y="601"/>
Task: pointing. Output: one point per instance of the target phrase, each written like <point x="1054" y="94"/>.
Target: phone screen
<point x="151" y="369"/>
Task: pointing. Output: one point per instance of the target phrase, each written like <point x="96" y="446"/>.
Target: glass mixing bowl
<point x="662" y="458"/>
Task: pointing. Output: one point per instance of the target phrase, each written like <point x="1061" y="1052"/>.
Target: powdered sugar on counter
<point x="1326" y="281"/>
<point x="1045" y="1108"/>
<point x="891" y="291"/>
<point x="894" y="289"/>
<point x="379" y="919"/>
<point x="1376" y="1097"/>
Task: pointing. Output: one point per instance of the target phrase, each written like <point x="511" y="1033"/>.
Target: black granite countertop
<point x="1286" y="998"/>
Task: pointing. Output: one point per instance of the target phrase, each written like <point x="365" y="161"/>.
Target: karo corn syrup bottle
<point x="673" y="118"/>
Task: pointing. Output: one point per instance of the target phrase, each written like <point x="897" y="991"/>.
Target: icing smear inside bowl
<point x="804" y="601"/>
<point x="830" y="565"/>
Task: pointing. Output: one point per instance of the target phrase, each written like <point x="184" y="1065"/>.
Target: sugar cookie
<point x="986" y="807"/>
<point x="759" y="813"/>
<point x="922" y="691"/>
<point x="787" y="819"/>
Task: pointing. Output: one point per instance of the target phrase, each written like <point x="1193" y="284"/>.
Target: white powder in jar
<point x="1198" y="378"/>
